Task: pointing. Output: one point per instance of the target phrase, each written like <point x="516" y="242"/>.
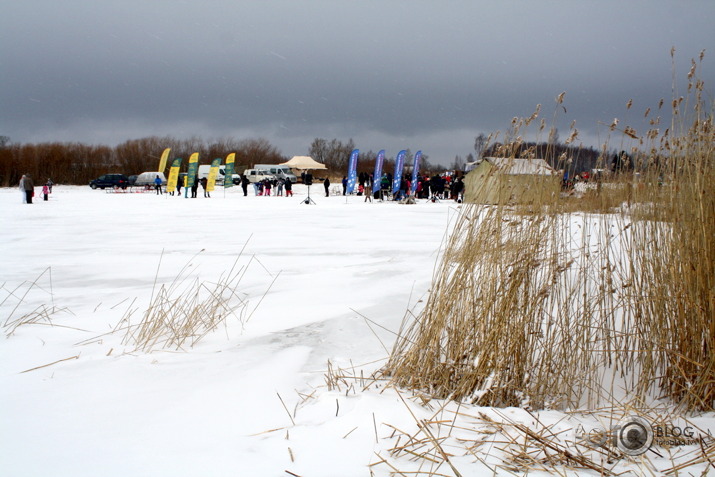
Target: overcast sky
<point x="392" y="75"/>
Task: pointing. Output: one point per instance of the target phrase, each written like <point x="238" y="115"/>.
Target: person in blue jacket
<point x="157" y="185"/>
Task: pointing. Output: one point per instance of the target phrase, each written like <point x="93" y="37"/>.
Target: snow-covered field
<point x="197" y="412"/>
<point x="323" y="282"/>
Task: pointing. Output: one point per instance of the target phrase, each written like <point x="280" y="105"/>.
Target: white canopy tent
<point x="304" y="163"/>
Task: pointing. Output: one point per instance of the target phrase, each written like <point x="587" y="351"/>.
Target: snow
<point x="325" y="282"/>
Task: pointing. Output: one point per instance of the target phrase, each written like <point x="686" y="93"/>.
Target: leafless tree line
<point x="77" y="163"/>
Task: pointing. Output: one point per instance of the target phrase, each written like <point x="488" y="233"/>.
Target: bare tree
<point x="334" y="154"/>
<point x="318" y="149"/>
<point x="257" y="151"/>
<point x="458" y="164"/>
<point x="480" y="144"/>
<point x="553" y="136"/>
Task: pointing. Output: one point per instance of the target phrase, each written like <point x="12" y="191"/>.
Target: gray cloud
<point x="389" y="74"/>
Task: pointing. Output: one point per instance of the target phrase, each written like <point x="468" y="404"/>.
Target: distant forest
<point x="77" y="163"/>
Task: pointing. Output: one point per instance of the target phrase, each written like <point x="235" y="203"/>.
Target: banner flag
<point x="228" y="176"/>
<point x="399" y="165"/>
<point x="415" y="172"/>
<point x="173" y="174"/>
<point x="193" y="170"/>
<point x="378" y="171"/>
<point x="352" y="171"/>
<point x="213" y="172"/>
<point x="164" y="158"/>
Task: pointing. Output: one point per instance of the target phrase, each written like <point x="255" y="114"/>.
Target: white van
<point x="280" y="172"/>
<point x="204" y="172"/>
<point x="258" y="175"/>
<point x="147" y="179"/>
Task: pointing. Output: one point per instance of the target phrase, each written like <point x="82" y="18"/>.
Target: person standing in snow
<point x="45" y="191"/>
<point x="289" y="188"/>
<point x="437" y="186"/>
<point x="345" y="185"/>
<point x="244" y="184"/>
<point x="21" y="186"/>
<point x="157" y="185"/>
<point x="458" y="190"/>
<point x="385" y="182"/>
<point x="326" y="185"/>
<point x="195" y="187"/>
<point x="29" y="187"/>
<point x="204" y="185"/>
<point x="50" y="184"/>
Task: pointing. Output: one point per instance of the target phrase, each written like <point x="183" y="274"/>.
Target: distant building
<point x="500" y="180"/>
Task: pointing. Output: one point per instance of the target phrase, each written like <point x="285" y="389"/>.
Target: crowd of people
<point x="437" y="187"/>
<point x="265" y="187"/>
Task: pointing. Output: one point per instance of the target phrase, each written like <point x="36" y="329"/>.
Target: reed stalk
<point x="570" y="302"/>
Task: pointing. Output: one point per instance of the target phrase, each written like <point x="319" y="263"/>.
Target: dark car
<point x="110" y="180"/>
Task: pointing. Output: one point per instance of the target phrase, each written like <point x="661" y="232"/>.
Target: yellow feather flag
<point x="173" y="174"/>
<point x="213" y="172"/>
<point x="228" y="172"/>
<point x="193" y="169"/>
<point x="164" y="158"/>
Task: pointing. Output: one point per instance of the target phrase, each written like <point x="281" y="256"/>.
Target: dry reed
<point x="181" y="313"/>
<point x="456" y="437"/>
<point x="572" y="302"/>
<point x="17" y="302"/>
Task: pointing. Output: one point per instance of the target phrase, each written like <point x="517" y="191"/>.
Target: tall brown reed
<point x="570" y="302"/>
<point x="674" y="254"/>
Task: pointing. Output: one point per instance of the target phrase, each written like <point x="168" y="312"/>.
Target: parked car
<point x="110" y="180"/>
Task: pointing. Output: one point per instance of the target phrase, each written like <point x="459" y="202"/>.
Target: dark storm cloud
<point x="389" y="74"/>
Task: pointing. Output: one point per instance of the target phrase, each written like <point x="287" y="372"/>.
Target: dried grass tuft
<point x="16" y="301"/>
<point x="184" y="311"/>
